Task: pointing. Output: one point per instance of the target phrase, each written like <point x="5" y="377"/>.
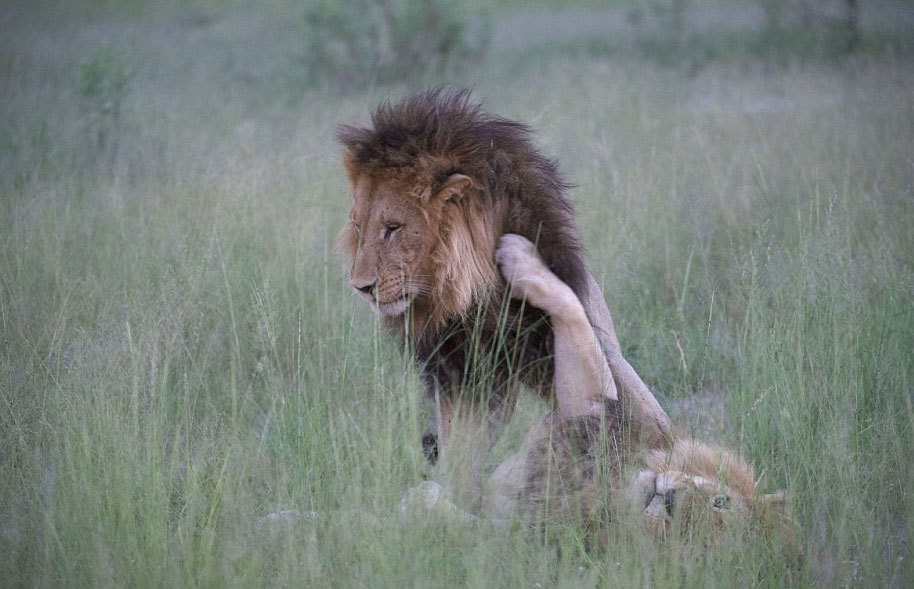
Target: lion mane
<point x="417" y="144"/>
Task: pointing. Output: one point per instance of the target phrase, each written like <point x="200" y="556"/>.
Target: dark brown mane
<point x="436" y="133"/>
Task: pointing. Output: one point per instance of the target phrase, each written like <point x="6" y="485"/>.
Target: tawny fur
<point x="698" y="458"/>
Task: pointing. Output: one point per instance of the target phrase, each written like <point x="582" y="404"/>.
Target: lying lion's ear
<point x="454" y="187"/>
<point x="774" y="501"/>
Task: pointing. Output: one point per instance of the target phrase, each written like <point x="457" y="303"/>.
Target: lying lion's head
<point x="434" y="182"/>
<point x="577" y="471"/>
<point x="698" y="485"/>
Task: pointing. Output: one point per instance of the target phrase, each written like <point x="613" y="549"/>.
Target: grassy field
<point x="180" y="354"/>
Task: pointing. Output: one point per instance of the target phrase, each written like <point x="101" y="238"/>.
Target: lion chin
<point x="391" y="310"/>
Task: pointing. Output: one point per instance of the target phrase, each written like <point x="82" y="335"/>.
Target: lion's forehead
<point x="674" y="480"/>
<point x="373" y="186"/>
<point x="377" y="201"/>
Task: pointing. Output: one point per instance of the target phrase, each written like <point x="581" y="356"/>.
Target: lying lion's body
<point x="584" y="473"/>
<point x="584" y="463"/>
<point x="462" y="319"/>
<point x="584" y="470"/>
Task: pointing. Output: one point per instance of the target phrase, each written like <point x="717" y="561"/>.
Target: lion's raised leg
<point x="582" y="375"/>
<point x="652" y="423"/>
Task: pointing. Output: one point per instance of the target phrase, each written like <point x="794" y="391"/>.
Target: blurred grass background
<point x="181" y="355"/>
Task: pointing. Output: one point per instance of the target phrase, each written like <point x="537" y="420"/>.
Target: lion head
<point x="435" y="181"/>
<point x="698" y="485"/>
<point x="417" y="245"/>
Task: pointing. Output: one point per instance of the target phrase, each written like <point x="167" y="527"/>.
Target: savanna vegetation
<point x="190" y="395"/>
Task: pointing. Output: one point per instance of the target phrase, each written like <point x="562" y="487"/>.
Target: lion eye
<point x="669" y="500"/>
<point x="721" y="501"/>
<point x="389" y="230"/>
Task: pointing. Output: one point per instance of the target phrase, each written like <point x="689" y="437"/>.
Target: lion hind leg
<point x="582" y="375"/>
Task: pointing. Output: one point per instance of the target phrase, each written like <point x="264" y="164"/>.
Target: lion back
<point x="571" y="463"/>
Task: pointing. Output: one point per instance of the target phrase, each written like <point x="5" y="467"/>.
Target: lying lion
<point x="580" y="463"/>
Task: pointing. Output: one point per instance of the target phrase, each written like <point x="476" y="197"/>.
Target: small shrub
<point x="104" y="79"/>
<point x="355" y="44"/>
<point x="831" y="26"/>
<point x="659" y="18"/>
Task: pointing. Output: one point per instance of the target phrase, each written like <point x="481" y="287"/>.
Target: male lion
<point x="580" y="464"/>
<point x="435" y="182"/>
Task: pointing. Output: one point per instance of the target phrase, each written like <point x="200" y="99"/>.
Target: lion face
<point x="390" y="243"/>
<point x="695" y="485"/>
<point x="676" y="499"/>
<point x="417" y="247"/>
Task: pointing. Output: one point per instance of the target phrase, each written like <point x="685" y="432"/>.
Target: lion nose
<point x="660" y="503"/>
<point x="368" y="288"/>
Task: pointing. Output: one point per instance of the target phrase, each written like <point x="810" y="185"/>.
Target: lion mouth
<point x="392" y="309"/>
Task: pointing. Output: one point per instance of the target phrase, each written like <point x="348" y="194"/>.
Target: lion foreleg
<point x="583" y="378"/>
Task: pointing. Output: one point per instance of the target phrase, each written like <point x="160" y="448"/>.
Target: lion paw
<point x="524" y="270"/>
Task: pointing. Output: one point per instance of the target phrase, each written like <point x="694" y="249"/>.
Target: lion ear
<point x="455" y="187"/>
<point x="352" y="171"/>
<point x="774" y="501"/>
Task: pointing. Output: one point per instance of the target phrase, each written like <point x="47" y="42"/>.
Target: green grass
<point x="180" y="354"/>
